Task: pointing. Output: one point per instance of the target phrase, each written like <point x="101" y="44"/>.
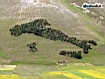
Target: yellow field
<point x="52" y="73"/>
<point x="93" y="73"/>
<point x="11" y="77"/>
<point x="88" y="73"/>
<point x="70" y="75"/>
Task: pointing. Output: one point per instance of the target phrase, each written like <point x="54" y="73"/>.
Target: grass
<point x="64" y="68"/>
<point x="95" y="55"/>
<point x="86" y="20"/>
<point x="3" y="55"/>
<point x="6" y="72"/>
<point x="15" y="48"/>
<point x="34" y="65"/>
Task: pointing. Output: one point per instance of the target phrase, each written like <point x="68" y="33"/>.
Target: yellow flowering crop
<point x="10" y="77"/>
<point x="93" y="73"/>
<point x="70" y="75"/>
<point x="52" y="73"/>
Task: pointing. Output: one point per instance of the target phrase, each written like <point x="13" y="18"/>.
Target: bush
<point x="32" y="47"/>
<point x="73" y="54"/>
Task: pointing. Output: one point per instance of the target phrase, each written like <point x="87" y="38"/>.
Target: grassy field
<point x="42" y="64"/>
<point x="98" y="31"/>
<point x="68" y="19"/>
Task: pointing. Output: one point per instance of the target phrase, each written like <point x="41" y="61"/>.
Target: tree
<point x="85" y="51"/>
<point x="32" y="47"/>
<point x="78" y="55"/>
<point x="73" y="54"/>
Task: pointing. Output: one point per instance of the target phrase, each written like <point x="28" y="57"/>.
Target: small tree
<point x="78" y="55"/>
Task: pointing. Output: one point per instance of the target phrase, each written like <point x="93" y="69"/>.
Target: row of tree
<point x="32" y="27"/>
<point x="32" y="47"/>
<point x="37" y="27"/>
<point x="74" y="54"/>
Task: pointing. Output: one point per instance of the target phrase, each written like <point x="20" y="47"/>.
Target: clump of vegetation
<point x="32" y="47"/>
<point x="35" y="27"/>
<point x="73" y="54"/>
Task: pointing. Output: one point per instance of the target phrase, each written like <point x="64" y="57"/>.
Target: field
<point x="63" y="72"/>
<point x="78" y="74"/>
<point x="42" y="64"/>
<point x="13" y="50"/>
<point x="10" y="77"/>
